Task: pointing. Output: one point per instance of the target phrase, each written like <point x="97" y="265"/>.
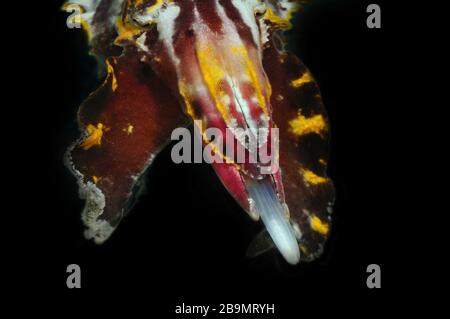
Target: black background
<point x="185" y="240"/>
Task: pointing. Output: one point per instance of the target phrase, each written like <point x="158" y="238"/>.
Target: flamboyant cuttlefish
<point x="222" y="62"/>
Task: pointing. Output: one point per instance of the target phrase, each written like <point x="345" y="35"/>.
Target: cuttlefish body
<point x="221" y="62"/>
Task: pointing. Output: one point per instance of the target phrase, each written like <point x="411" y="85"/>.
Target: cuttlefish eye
<point x="217" y="64"/>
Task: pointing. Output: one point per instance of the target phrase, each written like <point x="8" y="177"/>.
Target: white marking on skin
<point x="297" y="231"/>
<point x="253" y="212"/>
<point x="264" y="117"/>
<point x="233" y="123"/>
<point x="149" y="16"/>
<point x="97" y="229"/>
<point x="285" y="7"/>
<point x="166" y="27"/>
<point x="225" y="99"/>
<point x="140" y="42"/>
<point x="329" y="209"/>
<point x="201" y="91"/>
<point x="164" y="17"/>
<point x="247" y="9"/>
<point x="147" y="164"/>
<point x="264" y="31"/>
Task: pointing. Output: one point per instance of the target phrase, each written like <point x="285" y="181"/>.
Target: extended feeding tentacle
<point x="274" y="218"/>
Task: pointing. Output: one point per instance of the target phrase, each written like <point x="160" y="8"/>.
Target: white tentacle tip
<point x="274" y="218"/>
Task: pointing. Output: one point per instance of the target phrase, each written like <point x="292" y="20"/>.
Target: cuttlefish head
<point x="210" y="53"/>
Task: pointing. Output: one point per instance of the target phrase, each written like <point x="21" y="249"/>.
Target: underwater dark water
<point x="186" y="238"/>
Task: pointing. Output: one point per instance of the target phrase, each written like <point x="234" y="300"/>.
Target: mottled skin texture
<point x="309" y="151"/>
<point x="133" y="132"/>
<point x="146" y="95"/>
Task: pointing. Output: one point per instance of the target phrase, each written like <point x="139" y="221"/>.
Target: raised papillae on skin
<point x="169" y="62"/>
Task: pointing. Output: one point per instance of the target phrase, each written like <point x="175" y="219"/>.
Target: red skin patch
<point x="140" y="100"/>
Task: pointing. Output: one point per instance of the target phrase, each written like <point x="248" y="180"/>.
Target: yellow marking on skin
<point x="129" y="129"/>
<point x="250" y="69"/>
<point x="319" y="226"/>
<point x="125" y="31"/>
<point x="114" y="83"/>
<point x="94" y="137"/>
<point x="96" y="179"/>
<point x="155" y="6"/>
<point x="322" y="161"/>
<point x="277" y="20"/>
<point x="184" y="92"/>
<point x="212" y="73"/>
<point x="312" y="178"/>
<point x="305" y="78"/>
<point x="136" y="2"/>
<point x="86" y="27"/>
<point x="301" y="125"/>
<point x="303" y="249"/>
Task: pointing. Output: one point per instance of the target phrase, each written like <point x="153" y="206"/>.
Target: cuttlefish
<point x="169" y="63"/>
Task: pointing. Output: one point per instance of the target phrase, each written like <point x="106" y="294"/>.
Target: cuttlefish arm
<point x="124" y="124"/>
<point x="299" y="114"/>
